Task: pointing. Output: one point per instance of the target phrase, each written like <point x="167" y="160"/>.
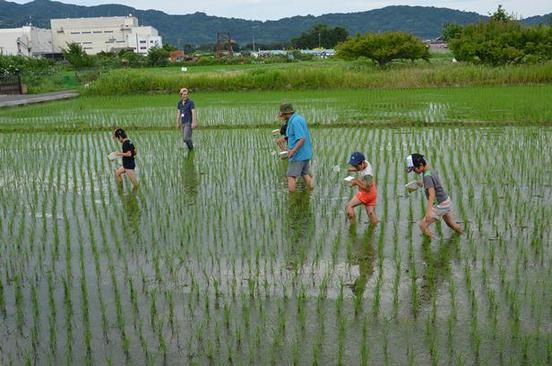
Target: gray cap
<point x="286" y="108"/>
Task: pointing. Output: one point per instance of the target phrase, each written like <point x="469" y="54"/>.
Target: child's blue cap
<point x="356" y="158"/>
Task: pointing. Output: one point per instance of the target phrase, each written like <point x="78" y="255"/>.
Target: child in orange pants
<point x="367" y="192"/>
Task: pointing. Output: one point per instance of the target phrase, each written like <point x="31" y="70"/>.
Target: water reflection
<point x="299" y="224"/>
<point x="363" y="255"/>
<point x="132" y="216"/>
<point x="189" y="176"/>
<point x="437" y="265"/>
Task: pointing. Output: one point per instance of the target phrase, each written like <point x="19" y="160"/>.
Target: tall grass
<point x="308" y="77"/>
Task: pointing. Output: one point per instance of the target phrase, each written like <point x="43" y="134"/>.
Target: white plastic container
<point x="411" y="186"/>
<point x="349" y="179"/>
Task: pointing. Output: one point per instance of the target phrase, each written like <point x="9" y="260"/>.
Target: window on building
<point x="108" y="31"/>
<point x="97" y="31"/>
<point x="75" y="32"/>
<point x="86" y="32"/>
<point x="143" y="48"/>
<point x="86" y="42"/>
<point x="142" y="41"/>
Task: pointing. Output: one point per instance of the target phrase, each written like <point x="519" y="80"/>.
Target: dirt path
<point x="14" y="100"/>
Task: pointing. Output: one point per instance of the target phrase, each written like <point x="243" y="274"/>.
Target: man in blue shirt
<point x="299" y="147"/>
<point x="186" y="117"/>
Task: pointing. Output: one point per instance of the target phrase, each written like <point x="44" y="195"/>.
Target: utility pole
<point x="253" y="36"/>
<point x="319" y="40"/>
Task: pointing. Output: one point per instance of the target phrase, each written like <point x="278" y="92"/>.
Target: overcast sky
<point x="276" y="9"/>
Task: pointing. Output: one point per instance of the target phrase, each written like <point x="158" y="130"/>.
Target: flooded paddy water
<point x="213" y="262"/>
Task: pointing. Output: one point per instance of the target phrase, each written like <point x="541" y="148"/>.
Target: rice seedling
<point x="204" y="267"/>
<point x="2" y="299"/>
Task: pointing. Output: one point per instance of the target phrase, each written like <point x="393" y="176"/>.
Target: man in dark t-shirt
<point x="186" y="117"/>
<point x="128" y="154"/>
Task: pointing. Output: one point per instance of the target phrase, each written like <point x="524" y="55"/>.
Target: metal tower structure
<point x="224" y="44"/>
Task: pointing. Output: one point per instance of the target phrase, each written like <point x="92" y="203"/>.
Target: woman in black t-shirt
<point x="128" y="154"/>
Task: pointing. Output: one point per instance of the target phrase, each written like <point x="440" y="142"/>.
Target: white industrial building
<point x="26" y="41"/>
<point x="104" y="34"/>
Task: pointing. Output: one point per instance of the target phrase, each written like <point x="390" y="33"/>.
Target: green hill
<point x="200" y="28"/>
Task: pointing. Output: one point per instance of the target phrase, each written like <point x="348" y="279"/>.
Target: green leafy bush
<point x="22" y="64"/>
<point x="158" y="56"/>
<point x="498" y="43"/>
<point x="76" y="56"/>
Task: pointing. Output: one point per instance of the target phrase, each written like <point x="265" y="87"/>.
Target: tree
<point x="383" y="47"/>
<point x="76" y="56"/>
<point x="502" y="40"/>
<point x="169" y="47"/>
<point x="130" y="58"/>
<point x="451" y="31"/>
<point x="158" y="56"/>
<point x="320" y="36"/>
<point x="500" y="15"/>
<point x="188" y="48"/>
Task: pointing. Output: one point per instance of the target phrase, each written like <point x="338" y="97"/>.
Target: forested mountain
<point x="200" y="28"/>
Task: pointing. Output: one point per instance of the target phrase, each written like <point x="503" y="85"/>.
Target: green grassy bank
<point x="310" y="76"/>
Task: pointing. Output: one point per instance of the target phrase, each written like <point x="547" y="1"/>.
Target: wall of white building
<point x="26" y="41"/>
<point x="144" y="38"/>
<point x="104" y="34"/>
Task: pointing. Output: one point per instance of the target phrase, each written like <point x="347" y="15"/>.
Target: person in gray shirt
<point x="439" y="204"/>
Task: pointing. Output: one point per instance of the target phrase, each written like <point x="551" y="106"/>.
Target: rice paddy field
<point x="525" y="104"/>
<point x="212" y="261"/>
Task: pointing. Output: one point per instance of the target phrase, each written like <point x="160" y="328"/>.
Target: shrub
<point x="129" y="58"/>
<point x="12" y="64"/>
<point x="76" y="56"/>
<point x="158" y="56"/>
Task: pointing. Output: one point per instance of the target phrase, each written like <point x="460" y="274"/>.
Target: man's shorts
<point x="368" y="198"/>
<point x="440" y="210"/>
<point x="298" y="168"/>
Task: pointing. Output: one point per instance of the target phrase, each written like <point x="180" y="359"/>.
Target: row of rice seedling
<point x="435" y="106"/>
<point x="213" y="261"/>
